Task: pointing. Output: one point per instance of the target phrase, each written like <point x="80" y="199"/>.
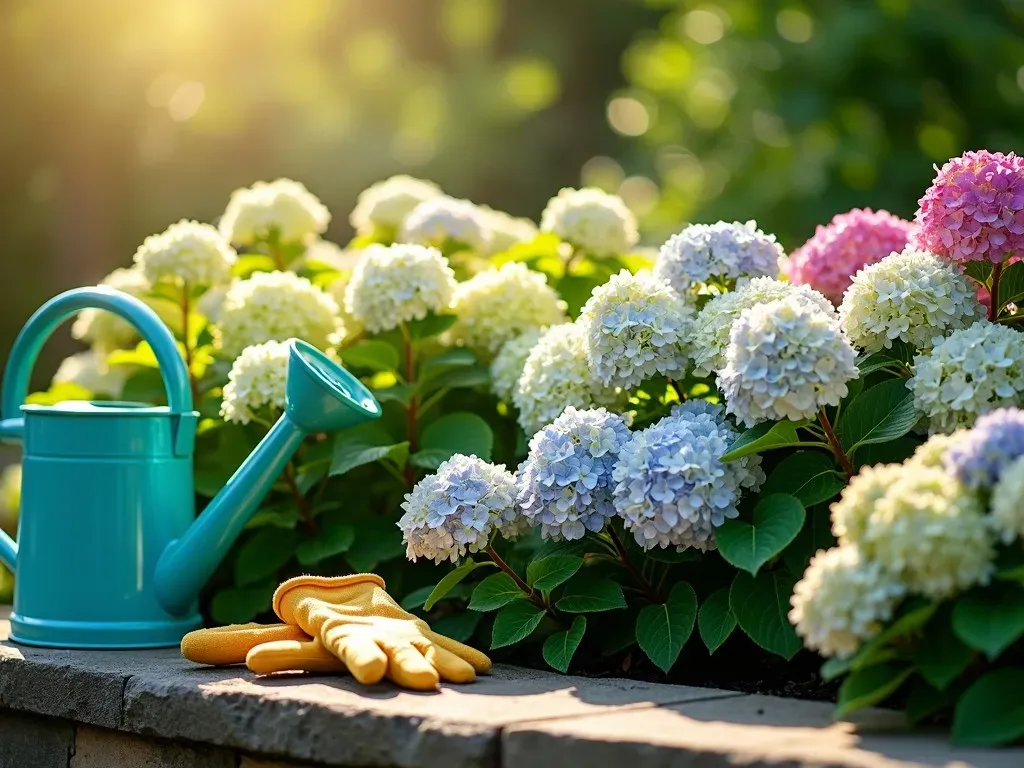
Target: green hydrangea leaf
<point x="809" y="476"/>
<point x="662" y="630"/>
<point x="761" y="607"/>
<point x="374" y="355"/>
<point x="991" y="711"/>
<point x="461" y="432"/>
<point x="458" y="626"/>
<point x="549" y="572"/>
<point x="366" y="444"/>
<point x="941" y="656"/>
<point x="334" y="540"/>
<point x="496" y="591"/>
<point x="716" y="620"/>
<point x="560" y="647"/>
<point x="515" y="622"/>
<point x="587" y="594"/>
<point x="990" y="619"/>
<point x="764" y="437"/>
<point x="430" y="326"/>
<point x="453" y="577"/>
<point x="870" y="686"/>
<point x="240" y="605"/>
<point x="777" y="520"/>
<point x="263" y="554"/>
<point x="881" y="413"/>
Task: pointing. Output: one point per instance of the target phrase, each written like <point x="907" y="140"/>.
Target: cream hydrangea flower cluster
<point x="90" y="370"/>
<point x="1006" y="514"/>
<point x="714" y="322"/>
<point x="106" y="331"/>
<point x="932" y="452"/>
<point x="384" y="205"/>
<point x="785" y="360"/>
<point x="556" y="375"/>
<point x="444" y="222"/>
<point x="634" y="327"/>
<point x="507" y="230"/>
<point x="496" y="305"/>
<point x="187" y="252"/>
<point x="591" y="220"/>
<point x="282" y="206"/>
<point x="256" y="381"/>
<point x="972" y="371"/>
<point x="507" y="366"/>
<point x="275" y="306"/>
<point x="397" y="283"/>
<point x="913" y="296"/>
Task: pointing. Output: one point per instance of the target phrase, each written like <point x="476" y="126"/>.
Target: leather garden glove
<point x="232" y="644"/>
<point x="357" y="621"/>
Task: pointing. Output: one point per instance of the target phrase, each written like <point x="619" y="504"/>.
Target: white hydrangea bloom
<point x="188" y="252"/>
<point x="350" y="326"/>
<point x="90" y="371"/>
<point x="592" y="220"/>
<point x="456" y="509"/>
<point x="972" y="371"/>
<point x="284" y="206"/>
<point x="913" y="296"/>
<point x="785" y="360"/>
<point x="332" y="254"/>
<point x="507" y="230"/>
<point x="729" y="252"/>
<point x="842" y="601"/>
<point x="256" y="381"/>
<point x="105" y="330"/>
<point x="394" y="284"/>
<point x="496" y="305"/>
<point x="384" y="205"/>
<point x="556" y="375"/>
<point x="711" y="329"/>
<point x="275" y="306"/>
<point x="1007" y="509"/>
<point x="931" y="452"/>
<point x="853" y="509"/>
<point x="507" y="366"/>
<point x="444" y="220"/>
<point x="930" y="532"/>
<point x="635" y="326"/>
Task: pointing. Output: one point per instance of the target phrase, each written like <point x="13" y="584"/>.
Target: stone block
<point x="27" y="741"/>
<point x="100" y="748"/>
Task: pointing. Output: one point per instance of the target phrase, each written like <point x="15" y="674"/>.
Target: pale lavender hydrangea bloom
<point x="672" y="487"/>
<point x="456" y="509"/>
<point x="565" y="484"/>
<point x="996" y="440"/>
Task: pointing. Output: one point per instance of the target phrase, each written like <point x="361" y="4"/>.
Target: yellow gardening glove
<point x="358" y="622"/>
<point x="231" y="645"/>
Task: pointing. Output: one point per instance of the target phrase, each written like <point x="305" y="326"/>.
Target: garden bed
<point x="74" y="709"/>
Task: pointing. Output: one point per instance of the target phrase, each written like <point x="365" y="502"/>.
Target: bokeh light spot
<point x="794" y="25"/>
<point x="186" y="100"/>
<point x="470" y="23"/>
<point x="704" y="26"/>
<point x="603" y="173"/>
<point x="937" y="141"/>
<point x="640" y="194"/>
<point x="532" y="84"/>
<point x="628" y="116"/>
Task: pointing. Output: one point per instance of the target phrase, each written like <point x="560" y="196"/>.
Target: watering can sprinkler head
<point x="322" y="396"/>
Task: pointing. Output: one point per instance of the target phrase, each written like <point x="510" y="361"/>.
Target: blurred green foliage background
<point x="120" y="117"/>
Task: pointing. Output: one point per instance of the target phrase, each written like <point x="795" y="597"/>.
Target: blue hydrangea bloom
<point x="565" y="484"/>
<point x="672" y="488"/>
<point x="995" y="441"/>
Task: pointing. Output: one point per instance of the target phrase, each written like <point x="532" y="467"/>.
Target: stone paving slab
<point x="513" y="718"/>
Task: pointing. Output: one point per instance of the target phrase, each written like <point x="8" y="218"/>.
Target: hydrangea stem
<point x="993" y="304"/>
<point x="525" y="588"/>
<point x="300" y="501"/>
<point x="834" y="444"/>
<point x="411" y="415"/>
<point x="186" y="332"/>
<point x="623" y="555"/>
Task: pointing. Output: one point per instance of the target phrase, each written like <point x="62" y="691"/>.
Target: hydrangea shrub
<point x="626" y="464"/>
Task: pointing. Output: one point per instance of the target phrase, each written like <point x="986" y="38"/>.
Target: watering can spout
<point x="321" y="397"/>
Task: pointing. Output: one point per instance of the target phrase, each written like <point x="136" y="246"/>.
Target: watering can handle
<point x="58" y="309"/>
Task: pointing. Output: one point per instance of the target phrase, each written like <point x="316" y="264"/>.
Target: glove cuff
<point x="323" y="582"/>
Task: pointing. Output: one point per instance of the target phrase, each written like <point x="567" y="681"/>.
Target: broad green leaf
<point x="586" y="594"/>
<point x="496" y="591"/>
<point x="249" y="263"/>
<point x="761" y="607"/>
<point x="815" y="534"/>
<point x="777" y="520"/>
<point x="515" y="622"/>
<point x="399" y="393"/>
<point x="454" y="378"/>
<point x="991" y="712"/>
<point x="331" y="541"/>
<point x="876" y="362"/>
<point x="1010" y="564"/>
<point x="810" y="476"/>
<point x="990" y="619"/>
<point x="559" y="648"/>
<point x="940" y="656"/>
<point x="870" y="686"/>
<point x="1011" y="285"/>
<point x="764" y="437"/>
<point x="453" y="358"/>
<point x="879" y="414"/>
<point x="461" y="432"/>
<point x="263" y="554"/>
<point x="980" y="270"/>
<point x="417" y="598"/>
<point x="575" y="290"/>
<point x="912" y="616"/>
<point x="239" y="605"/>
<point x="618" y="635"/>
<point x="549" y="572"/>
<point x="429" y="326"/>
<point x="923" y="701"/>
<point x="892" y="452"/>
<point x="363" y="445"/>
<point x="429" y="458"/>
<point x="377" y="540"/>
<point x="459" y="626"/>
<point x="142" y="356"/>
<point x="453" y="577"/>
<point x="662" y="630"/>
<point x="373" y="354"/>
<point x="715" y="620"/>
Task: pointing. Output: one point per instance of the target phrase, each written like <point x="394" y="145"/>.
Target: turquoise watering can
<point x="110" y="553"/>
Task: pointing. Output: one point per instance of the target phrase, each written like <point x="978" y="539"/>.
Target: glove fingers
<point x="480" y="662"/>
<point x="229" y="645"/>
<point x="408" y="668"/>
<point x="292" y="656"/>
<point x="363" y="657"/>
<point x="451" y="668"/>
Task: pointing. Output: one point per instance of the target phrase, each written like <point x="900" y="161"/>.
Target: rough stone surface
<point x="252" y="762"/>
<point x="752" y="731"/>
<point x="27" y="741"/>
<point x="100" y="748"/>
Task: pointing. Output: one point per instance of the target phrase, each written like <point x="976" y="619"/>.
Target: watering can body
<point x="110" y="553"/>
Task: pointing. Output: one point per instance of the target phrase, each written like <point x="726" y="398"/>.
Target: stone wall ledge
<point x="153" y="708"/>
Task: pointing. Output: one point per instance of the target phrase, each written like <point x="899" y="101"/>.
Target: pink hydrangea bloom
<point x="974" y="209"/>
<point x="836" y="252"/>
